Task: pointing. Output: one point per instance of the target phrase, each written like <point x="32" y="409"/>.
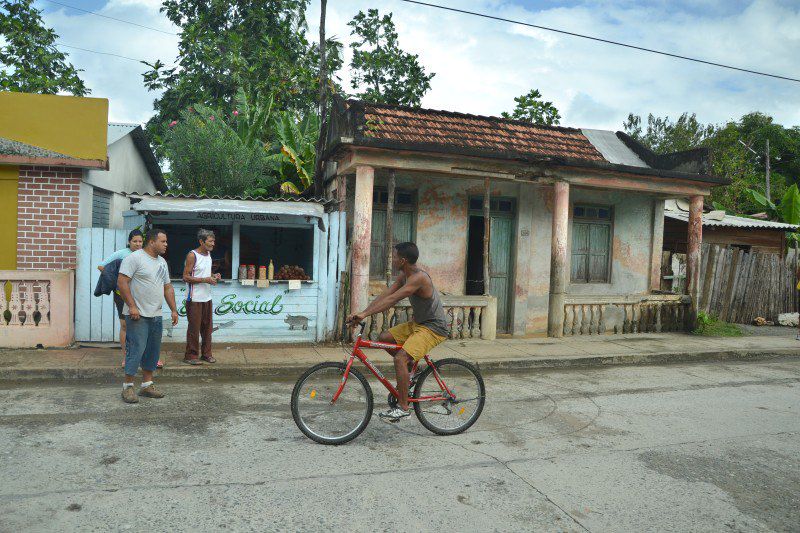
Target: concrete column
<point x="693" y="255"/>
<point x="524" y="260"/>
<point x="559" y="263"/>
<point x="362" y="235"/>
<point x="658" y="245"/>
<point x="489" y="320"/>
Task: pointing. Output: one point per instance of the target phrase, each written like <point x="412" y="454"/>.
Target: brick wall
<point x="47" y="217"/>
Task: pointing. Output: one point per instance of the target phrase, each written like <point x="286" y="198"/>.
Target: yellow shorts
<point x="416" y="340"/>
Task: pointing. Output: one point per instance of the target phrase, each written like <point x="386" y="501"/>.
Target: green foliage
<point x="256" y="46"/>
<point x="711" y="326"/>
<point x="29" y="59"/>
<point x="729" y="157"/>
<point x="790" y="206"/>
<point x="703" y="321"/>
<point x="293" y="164"/>
<point x="531" y="108"/>
<point x="663" y="136"/>
<point x="385" y="73"/>
<point x="207" y="155"/>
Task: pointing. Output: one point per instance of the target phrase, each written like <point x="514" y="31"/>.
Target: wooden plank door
<point x="500" y="268"/>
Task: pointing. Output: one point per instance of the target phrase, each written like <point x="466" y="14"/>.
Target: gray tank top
<point x="429" y="312"/>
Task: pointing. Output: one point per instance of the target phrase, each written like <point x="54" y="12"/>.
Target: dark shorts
<point x="119" y="303"/>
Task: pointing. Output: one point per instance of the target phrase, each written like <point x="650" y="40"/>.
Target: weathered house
<point x="574" y="218"/>
<point x="132" y="166"/>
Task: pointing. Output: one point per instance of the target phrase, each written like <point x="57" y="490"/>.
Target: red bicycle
<point x="330" y="408"/>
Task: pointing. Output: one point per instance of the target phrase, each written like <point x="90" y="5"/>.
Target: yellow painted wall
<point x="65" y="124"/>
<point x="9" y="177"/>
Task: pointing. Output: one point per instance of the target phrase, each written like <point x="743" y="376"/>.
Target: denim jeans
<point x="142" y="343"/>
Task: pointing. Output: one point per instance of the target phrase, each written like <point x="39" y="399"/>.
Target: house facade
<point x="565" y="224"/>
<point x="132" y="168"/>
<point x="48" y="144"/>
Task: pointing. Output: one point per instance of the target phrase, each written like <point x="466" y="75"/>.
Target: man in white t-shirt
<point x="144" y="284"/>
<point x="199" y="310"/>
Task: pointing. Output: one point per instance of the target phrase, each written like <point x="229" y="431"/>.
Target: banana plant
<point x="252" y="120"/>
<point x="295" y="157"/>
<point x="787" y="211"/>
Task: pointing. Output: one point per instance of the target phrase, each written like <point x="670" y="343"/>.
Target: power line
<point x="110" y="18"/>
<point x="107" y="54"/>
<point x="598" y="39"/>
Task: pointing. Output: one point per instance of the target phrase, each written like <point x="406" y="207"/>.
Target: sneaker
<point x="194" y="361"/>
<point x="151" y="392"/>
<point x="160" y="364"/>
<point x="208" y="359"/>
<point x="394" y="414"/>
<point x="129" y="395"/>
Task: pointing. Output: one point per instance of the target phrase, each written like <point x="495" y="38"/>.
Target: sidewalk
<point x="104" y="362"/>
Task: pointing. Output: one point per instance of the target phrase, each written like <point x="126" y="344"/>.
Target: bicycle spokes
<point x="462" y="392"/>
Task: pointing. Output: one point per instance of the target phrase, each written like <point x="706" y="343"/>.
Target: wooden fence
<point x="738" y="286"/>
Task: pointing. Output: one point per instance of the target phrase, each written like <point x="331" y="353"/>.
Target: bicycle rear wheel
<point x="456" y="414"/>
<point x="319" y="419"/>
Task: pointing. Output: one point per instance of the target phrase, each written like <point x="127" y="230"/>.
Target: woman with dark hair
<point x="135" y="242"/>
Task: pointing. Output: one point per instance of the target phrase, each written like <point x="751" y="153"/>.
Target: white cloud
<point x="481" y="65"/>
<point x="114" y="78"/>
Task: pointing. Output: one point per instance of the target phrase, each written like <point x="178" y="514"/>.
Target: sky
<point x="481" y="65"/>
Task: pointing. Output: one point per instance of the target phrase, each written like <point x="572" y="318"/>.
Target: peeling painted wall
<point x="441" y="224"/>
<point x="441" y="234"/>
<point x="632" y="240"/>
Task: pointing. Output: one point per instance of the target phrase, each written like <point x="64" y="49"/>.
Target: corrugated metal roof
<point x="118" y="130"/>
<point x="12" y="147"/>
<point x="731" y="221"/>
<point x="613" y="149"/>
<point x="322" y="201"/>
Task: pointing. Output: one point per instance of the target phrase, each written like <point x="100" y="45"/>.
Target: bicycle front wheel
<point x="326" y="422"/>
<point x="464" y="404"/>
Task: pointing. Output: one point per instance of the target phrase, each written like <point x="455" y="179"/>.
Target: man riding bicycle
<point x="427" y="330"/>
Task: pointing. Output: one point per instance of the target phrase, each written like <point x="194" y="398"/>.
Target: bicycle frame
<point x="357" y="353"/>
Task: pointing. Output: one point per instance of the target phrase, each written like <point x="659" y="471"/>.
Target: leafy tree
<point x="29" y="59"/>
<point x="729" y="157"/>
<point x="259" y="46"/>
<point x="664" y="136"/>
<point x="531" y="108"/>
<point x="384" y="73"/>
<point x="207" y="155"/>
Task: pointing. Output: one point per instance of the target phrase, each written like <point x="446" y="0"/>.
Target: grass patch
<point x="711" y="326"/>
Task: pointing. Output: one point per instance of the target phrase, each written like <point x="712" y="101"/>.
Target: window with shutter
<point x="101" y="208"/>
<point x="403" y="226"/>
<point x="591" y="244"/>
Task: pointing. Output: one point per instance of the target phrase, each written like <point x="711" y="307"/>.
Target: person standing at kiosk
<point x="199" y="309"/>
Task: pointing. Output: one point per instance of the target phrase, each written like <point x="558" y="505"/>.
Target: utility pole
<point x="767" y="159"/>
<point x="766" y="163"/>
<point x="319" y="170"/>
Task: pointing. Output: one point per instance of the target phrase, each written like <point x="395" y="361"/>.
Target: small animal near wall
<point x="297" y="321"/>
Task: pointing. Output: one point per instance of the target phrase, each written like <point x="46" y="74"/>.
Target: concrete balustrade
<point x="36" y="308"/>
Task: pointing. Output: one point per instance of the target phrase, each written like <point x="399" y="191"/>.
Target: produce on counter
<point x="291" y="272"/>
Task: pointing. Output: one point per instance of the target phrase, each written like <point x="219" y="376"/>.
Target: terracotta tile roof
<point x="430" y="127"/>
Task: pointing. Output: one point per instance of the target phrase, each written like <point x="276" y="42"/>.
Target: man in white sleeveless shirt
<point x="199" y="310"/>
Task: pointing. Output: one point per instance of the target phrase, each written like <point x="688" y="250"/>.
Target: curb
<point x="294" y="371"/>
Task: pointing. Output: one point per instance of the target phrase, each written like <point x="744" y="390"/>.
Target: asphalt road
<point x="705" y="447"/>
